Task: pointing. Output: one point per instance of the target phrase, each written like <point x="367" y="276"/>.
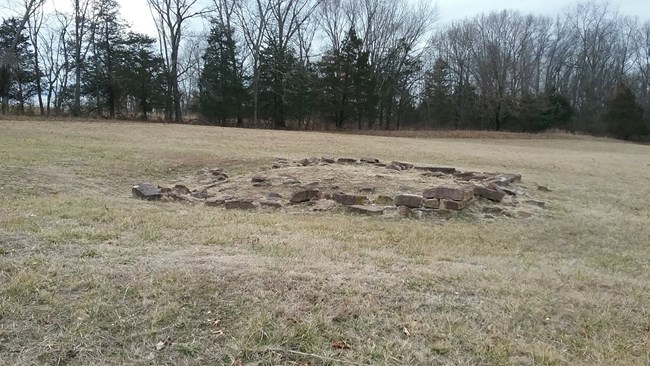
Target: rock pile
<point x="467" y="189"/>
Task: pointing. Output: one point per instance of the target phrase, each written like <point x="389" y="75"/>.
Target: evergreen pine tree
<point x="17" y="74"/>
<point x="623" y="116"/>
<point x="221" y="90"/>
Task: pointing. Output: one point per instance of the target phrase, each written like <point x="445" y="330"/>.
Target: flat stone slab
<point x="495" y="195"/>
<point x="146" y="191"/>
<point x="437" y="169"/>
<point x="467" y="176"/>
<point x="456" y="193"/>
<point x="366" y="209"/>
<point x="369" y="160"/>
<point x="452" y="205"/>
<point x="347" y="160"/>
<point x="240" y="204"/>
<point x="349" y="199"/>
<point x="397" y="165"/>
<point x="217" y="201"/>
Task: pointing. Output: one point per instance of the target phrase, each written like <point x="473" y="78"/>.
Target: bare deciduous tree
<point x="171" y="18"/>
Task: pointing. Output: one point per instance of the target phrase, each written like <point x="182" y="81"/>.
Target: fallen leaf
<point x="406" y="332"/>
<point x="340" y="345"/>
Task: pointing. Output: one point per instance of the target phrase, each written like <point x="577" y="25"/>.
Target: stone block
<point x="408" y="200"/>
<point x="452" y="205"/>
<point x="349" y="199"/>
<point x="146" y="191"/>
<point x="432" y="203"/>
<point x="304" y="195"/>
<point x="495" y="195"/>
<point x="456" y="193"/>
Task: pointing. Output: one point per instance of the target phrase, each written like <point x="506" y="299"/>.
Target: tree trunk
<point x="498" y="117"/>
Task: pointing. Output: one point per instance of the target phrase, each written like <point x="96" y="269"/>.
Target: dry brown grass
<point x="480" y="134"/>
<point x="89" y="275"/>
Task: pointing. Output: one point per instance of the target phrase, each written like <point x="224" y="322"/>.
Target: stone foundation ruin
<point x="362" y="186"/>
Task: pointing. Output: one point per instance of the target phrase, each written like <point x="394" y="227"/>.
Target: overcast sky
<point x="137" y="13"/>
<point x="459" y="9"/>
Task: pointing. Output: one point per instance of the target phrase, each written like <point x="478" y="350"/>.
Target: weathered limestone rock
<point x="366" y="209"/>
<point x="452" y="205"/>
<point x="218" y="201"/>
<point x="383" y="200"/>
<point x="181" y="189"/>
<point x="456" y="193"/>
<point x="146" y="191"/>
<point x="408" y="200"/>
<point x="369" y="160"/>
<point x="438" y="169"/>
<point x="432" y="203"/>
<point x="240" y="204"/>
<point x="349" y="199"/>
<point x="309" y="161"/>
<point x="495" y="195"/>
<point x="259" y="179"/>
<point x="304" y="195"/>
<point x="347" y="160"/>
<point x="467" y="176"/>
<point x="396" y="165"/>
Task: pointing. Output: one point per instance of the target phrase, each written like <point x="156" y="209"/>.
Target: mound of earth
<point x="363" y="186"/>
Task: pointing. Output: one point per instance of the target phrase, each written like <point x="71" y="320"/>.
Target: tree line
<point x="331" y="64"/>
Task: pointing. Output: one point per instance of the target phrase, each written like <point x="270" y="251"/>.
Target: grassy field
<point x="90" y="275"/>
